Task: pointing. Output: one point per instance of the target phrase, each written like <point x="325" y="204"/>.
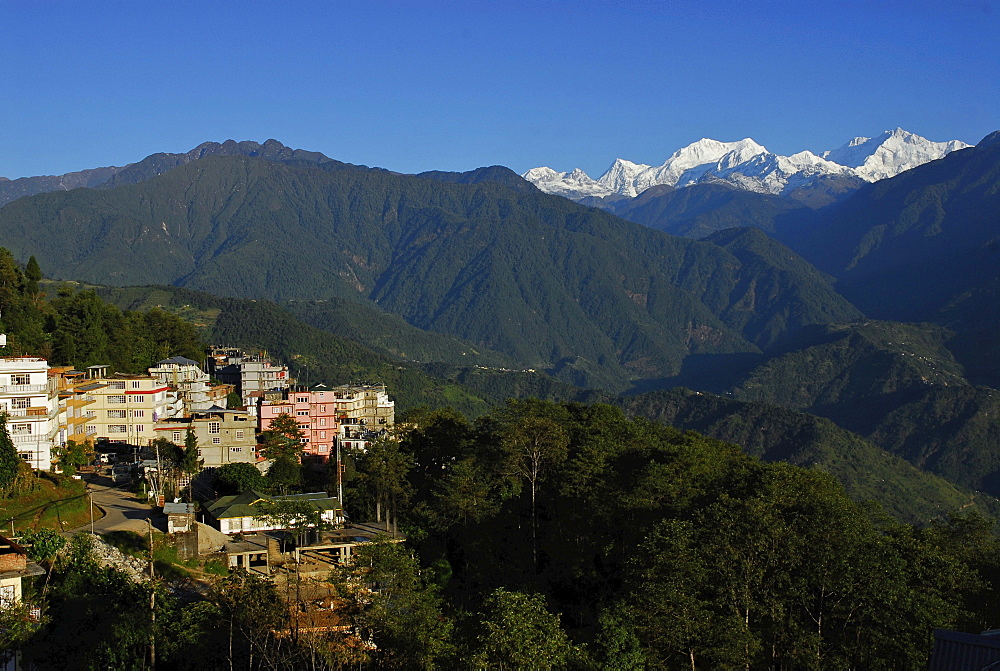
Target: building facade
<point x="127" y="407"/>
<point x="251" y="374"/>
<point x="29" y="398"/>
<point x="224" y="436"/>
<point x="74" y="418"/>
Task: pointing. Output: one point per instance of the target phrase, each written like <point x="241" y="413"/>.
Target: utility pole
<point x="340" y="476"/>
<point x="152" y="600"/>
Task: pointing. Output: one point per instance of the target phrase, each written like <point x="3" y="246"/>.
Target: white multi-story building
<point x="252" y="374"/>
<point x="189" y="385"/>
<point x="31" y="403"/>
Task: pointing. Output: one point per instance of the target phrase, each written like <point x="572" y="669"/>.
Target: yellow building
<point x="126" y="407"/>
<point x="75" y="416"/>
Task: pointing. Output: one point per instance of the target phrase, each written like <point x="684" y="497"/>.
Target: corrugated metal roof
<point x="957" y="651"/>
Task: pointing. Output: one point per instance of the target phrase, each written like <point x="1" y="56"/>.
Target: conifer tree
<point x="9" y="461"/>
<point x="190" y="463"/>
<point x="32" y="275"/>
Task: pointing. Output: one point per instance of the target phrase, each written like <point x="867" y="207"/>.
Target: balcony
<point x="22" y="388"/>
<point x="30" y="440"/>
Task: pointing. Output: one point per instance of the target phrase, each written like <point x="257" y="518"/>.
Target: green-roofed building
<point x="243" y="513"/>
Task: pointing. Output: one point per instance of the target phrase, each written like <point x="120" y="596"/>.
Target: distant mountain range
<point x="155" y="164"/>
<point x="747" y="165"/>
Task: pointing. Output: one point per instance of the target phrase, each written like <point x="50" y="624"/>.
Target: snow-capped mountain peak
<point x="888" y="154"/>
<point x="748" y="165"/>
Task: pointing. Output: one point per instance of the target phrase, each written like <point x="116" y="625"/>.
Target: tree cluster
<point x="77" y="328"/>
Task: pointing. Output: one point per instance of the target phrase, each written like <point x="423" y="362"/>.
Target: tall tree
<point x="32" y="276"/>
<point x="532" y="445"/>
<point x="384" y="469"/>
<point x="9" y="461"/>
<point x="190" y="462"/>
<point x="283" y="438"/>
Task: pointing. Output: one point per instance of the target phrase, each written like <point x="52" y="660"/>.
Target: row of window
<point x="178" y="436"/>
<point x="122" y="414"/>
<point x="122" y="428"/>
<point x="120" y="384"/>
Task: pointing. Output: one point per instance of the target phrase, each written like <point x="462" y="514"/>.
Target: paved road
<point x="122" y="510"/>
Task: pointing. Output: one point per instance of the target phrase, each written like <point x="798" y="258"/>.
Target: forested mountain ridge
<point x="924" y="238"/>
<point x="598" y="300"/>
<point x="699" y="210"/>
<point x="898" y="385"/>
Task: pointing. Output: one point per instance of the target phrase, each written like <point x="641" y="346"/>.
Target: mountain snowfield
<point x="748" y="165"/>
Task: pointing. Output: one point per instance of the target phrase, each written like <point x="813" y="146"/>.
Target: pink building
<point x="323" y="412"/>
<point x="316" y="414"/>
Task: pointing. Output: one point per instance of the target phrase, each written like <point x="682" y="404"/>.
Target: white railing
<point x="25" y="440"/>
<point x="22" y="388"/>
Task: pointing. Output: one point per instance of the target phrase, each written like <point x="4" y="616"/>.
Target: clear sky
<point x="414" y="86"/>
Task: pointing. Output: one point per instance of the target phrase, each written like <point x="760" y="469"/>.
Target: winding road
<point x="122" y="510"/>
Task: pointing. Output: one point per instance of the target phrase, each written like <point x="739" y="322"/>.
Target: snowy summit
<point x="748" y="165"/>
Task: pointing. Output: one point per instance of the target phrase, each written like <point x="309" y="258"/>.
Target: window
<point x="20" y="429"/>
<point x="7" y="595"/>
<point x="116" y="384"/>
<point x="176" y="436"/>
<point x="216" y="440"/>
<point x="27" y="456"/>
<point x="322" y="408"/>
<point x="303" y="440"/>
<point x="136" y="384"/>
<point x="239" y="434"/>
<point x="235" y="449"/>
<point x="135" y="398"/>
<point x="116" y="414"/>
<point x="302" y="413"/>
<point x="20" y="378"/>
<point x="116" y="428"/>
<point x="214" y="427"/>
<point x="322" y="421"/>
<point x="199" y="451"/>
<point x="138" y="413"/>
<point x="20" y="403"/>
<point x="322" y="448"/>
<point x="117" y="399"/>
<point x="139" y="428"/>
<point x="322" y="434"/>
<point x="302" y="399"/>
<point x="304" y="427"/>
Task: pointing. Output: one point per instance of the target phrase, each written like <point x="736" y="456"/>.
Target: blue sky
<point x="414" y="86"/>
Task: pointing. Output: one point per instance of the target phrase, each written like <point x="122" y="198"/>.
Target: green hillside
<point x="833" y="364"/>
<point x="776" y="434"/>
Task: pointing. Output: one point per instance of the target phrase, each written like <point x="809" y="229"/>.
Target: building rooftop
<point x="245" y="504"/>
